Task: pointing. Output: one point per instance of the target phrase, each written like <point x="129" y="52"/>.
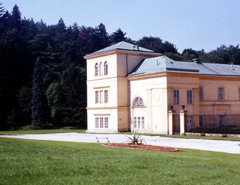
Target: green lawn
<point x="50" y="131"/>
<point x="48" y="162"/>
<point x="203" y="137"/>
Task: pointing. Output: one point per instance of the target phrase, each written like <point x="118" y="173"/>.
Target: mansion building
<point x="133" y="88"/>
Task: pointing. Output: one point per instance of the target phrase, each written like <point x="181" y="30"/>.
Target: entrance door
<point x="222" y="121"/>
<point x="189" y="123"/>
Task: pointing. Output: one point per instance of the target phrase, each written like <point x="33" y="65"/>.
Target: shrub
<point x="136" y="139"/>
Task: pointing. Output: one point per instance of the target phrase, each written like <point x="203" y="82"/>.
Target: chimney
<point x="196" y="60"/>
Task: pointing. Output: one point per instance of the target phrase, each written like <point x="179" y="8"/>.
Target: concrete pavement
<point x="200" y="144"/>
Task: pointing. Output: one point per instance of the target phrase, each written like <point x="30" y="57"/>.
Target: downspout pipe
<point x="129" y="103"/>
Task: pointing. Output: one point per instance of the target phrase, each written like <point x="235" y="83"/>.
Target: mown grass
<point x="48" y="162"/>
<point x="203" y="137"/>
<point x="50" y="131"/>
<point x="191" y="136"/>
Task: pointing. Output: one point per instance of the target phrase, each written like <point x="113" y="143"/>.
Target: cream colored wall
<point x="101" y="85"/>
<point x="123" y="118"/>
<point x="211" y="105"/>
<point x="153" y="92"/>
<point x="112" y="66"/>
<point x="122" y="91"/>
<point x="131" y="59"/>
<point x="112" y="115"/>
<point x="184" y="83"/>
<point x="117" y="95"/>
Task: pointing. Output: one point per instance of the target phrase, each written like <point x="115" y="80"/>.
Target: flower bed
<point x="143" y="147"/>
<point x="202" y="134"/>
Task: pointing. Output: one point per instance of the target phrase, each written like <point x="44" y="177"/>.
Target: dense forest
<point x="43" y="72"/>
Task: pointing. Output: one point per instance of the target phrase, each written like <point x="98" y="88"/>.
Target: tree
<point x="156" y="44"/>
<point x="117" y="36"/>
<point x="16" y="17"/>
<point x="2" y="10"/>
<point x="37" y="94"/>
<point x="189" y="54"/>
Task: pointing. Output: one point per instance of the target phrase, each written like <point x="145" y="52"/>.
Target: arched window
<point x="101" y="69"/>
<point x="96" y="69"/>
<point x="138" y="101"/>
<point x="106" y="68"/>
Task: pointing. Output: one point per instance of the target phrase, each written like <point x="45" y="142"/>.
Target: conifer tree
<point x="2" y="10"/>
<point x="37" y="94"/>
<point x="16" y="17"/>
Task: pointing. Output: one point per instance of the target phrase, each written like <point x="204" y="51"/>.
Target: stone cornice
<point x="122" y="52"/>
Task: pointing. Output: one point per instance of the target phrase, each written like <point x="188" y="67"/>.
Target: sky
<point x="196" y="24"/>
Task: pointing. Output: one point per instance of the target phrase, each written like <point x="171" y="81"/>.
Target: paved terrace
<point x="199" y="144"/>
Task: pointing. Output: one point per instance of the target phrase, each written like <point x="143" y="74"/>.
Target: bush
<point x="136" y="139"/>
<point x="30" y="127"/>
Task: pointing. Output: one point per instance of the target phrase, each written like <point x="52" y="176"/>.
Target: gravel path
<point x="200" y="144"/>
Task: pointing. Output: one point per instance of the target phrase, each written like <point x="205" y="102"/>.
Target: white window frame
<point x="105" y="68"/>
<point x="189" y="96"/>
<point x="101" y="122"/>
<point x="138" y="101"/>
<point x="106" y="122"/>
<point x="139" y="122"/>
<point x="220" y="93"/>
<point x="176" y="96"/>
<point x="135" y="122"/>
<point x="201" y="93"/>
<point x="101" y="69"/>
<point x="96" y="69"/>
<point x="96" y="122"/>
<point x="105" y="96"/>
<point x="96" y="97"/>
<point x="101" y="97"/>
<point x="143" y="122"/>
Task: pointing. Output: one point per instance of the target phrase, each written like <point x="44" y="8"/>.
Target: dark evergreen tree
<point x="189" y="54"/>
<point x="16" y="17"/>
<point x="2" y="10"/>
<point x="37" y="94"/>
<point x="117" y="36"/>
<point x="156" y="44"/>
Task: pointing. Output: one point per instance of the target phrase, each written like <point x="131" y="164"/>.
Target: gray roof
<point x="122" y="46"/>
<point x="165" y="64"/>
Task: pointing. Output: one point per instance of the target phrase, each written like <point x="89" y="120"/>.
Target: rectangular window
<point x="101" y="96"/>
<point x="96" y="122"/>
<point x="176" y="96"/>
<point x="239" y="93"/>
<point x="96" y="96"/>
<point x="201" y="121"/>
<point x="142" y="122"/>
<point x="139" y="122"/>
<point x="200" y="93"/>
<point x="221" y="93"/>
<point x="96" y="69"/>
<point x="106" y="122"/>
<point x="101" y="122"/>
<point x="135" y="122"/>
<point x="189" y="96"/>
<point x="106" y="96"/>
<point x="222" y="120"/>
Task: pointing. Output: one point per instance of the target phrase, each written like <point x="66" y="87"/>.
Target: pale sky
<point x="196" y="24"/>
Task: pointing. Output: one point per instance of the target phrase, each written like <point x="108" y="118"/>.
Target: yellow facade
<point x="156" y="92"/>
